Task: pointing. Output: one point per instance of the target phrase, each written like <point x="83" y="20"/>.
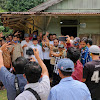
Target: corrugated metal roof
<point x="49" y="13"/>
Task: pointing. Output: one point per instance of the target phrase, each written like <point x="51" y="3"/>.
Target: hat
<point x="77" y="39"/>
<point x="65" y="64"/>
<point x="61" y="46"/>
<point x="26" y="35"/>
<point x="94" y="49"/>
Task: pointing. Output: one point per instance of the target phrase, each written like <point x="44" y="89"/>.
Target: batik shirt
<point x="85" y="56"/>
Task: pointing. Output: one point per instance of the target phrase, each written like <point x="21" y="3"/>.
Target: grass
<point x="3" y="95"/>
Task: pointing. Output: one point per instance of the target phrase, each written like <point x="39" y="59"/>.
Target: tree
<point x="21" y="5"/>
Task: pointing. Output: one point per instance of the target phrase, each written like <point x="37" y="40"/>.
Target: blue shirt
<point x="69" y="89"/>
<point x="7" y="79"/>
<point x="85" y="56"/>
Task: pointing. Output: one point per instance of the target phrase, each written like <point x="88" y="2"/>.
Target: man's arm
<point x="44" y="68"/>
<point x="1" y="57"/>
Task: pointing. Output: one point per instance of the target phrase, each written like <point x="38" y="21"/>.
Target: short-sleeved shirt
<point x="69" y="89"/>
<point x="26" y="48"/>
<point x="7" y="79"/>
<point x="17" y="51"/>
<point x="91" y="73"/>
<point x="42" y="88"/>
<point x="39" y="49"/>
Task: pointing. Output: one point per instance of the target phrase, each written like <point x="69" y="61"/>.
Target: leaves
<point x="21" y="5"/>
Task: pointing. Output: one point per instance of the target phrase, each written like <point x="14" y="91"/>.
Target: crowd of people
<point x="33" y="63"/>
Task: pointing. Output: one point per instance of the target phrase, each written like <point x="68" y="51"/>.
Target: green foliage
<point x="2" y="28"/>
<point x="21" y="5"/>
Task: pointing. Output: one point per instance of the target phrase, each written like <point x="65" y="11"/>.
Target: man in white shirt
<point x="26" y="44"/>
<point x="37" y="46"/>
<point x="33" y="72"/>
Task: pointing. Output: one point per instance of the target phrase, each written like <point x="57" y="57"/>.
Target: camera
<point x="29" y="52"/>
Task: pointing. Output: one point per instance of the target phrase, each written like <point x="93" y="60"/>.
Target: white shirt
<point x="39" y="49"/>
<point x="42" y="88"/>
<point x="26" y="48"/>
<point x="46" y="53"/>
<point x="51" y="42"/>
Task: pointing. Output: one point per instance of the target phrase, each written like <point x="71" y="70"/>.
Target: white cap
<point x="94" y="49"/>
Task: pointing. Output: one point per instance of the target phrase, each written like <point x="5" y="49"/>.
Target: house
<point x="66" y="17"/>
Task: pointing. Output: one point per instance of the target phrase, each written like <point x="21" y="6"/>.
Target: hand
<point x="43" y="43"/>
<point x="1" y="34"/>
<point x="68" y="39"/>
<point x="51" y="47"/>
<point x="36" y="53"/>
<point x="32" y="59"/>
<point x="5" y="46"/>
<point x="25" y="45"/>
<point x="47" y="33"/>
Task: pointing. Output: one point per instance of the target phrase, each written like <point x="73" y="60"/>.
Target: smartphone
<point x="62" y="38"/>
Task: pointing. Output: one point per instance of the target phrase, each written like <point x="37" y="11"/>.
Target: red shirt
<point x="78" y="71"/>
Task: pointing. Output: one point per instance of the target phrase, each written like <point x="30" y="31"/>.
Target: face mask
<point x="15" y="41"/>
<point x="76" y="44"/>
<point x="84" y="48"/>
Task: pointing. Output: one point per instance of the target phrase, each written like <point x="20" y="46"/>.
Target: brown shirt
<point x="7" y="58"/>
<point x="16" y="52"/>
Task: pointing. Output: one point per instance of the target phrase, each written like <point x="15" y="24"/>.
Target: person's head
<point x="19" y="65"/>
<point x="83" y="42"/>
<point x="76" y="42"/>
<point x="50" y="37"/>
<point x="56" y="42"/>
<point x="71" y="37"/>
<point x="54" y="36"/>
<point x="3" y="41"/>
<point x="94" y="52"/>
<point x="7" y="39"/>
<point x="35" y="42"/>
<point x="60" y="47"/>
<point x="65" y="67"/>
<point x="38" y="38"/>
<point x="15" y="39"/>
<point x="33" y="72"/>
<point x="10" y="38"/>
<point x="89" y="42"/>
<point x="73" y="53"/>
<point x="40" y="34"/>
<point x="44" y="37"/>
<point x="26" y="36"/>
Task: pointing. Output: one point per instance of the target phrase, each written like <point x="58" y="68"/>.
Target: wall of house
<point x="76" y="6"/>
<point x="92" y="26"/>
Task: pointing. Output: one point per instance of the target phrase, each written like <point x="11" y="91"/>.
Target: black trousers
<point x="49" y="67"/>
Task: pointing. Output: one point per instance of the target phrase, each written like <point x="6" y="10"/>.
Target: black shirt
<point x="91" y="73"/>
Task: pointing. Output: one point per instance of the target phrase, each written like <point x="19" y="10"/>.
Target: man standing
<point x="26" y="44"/>
<point x="37" y="46"/>
<point x="33" y="72"/>
<point x="91" y="73"/>
<point x="16" y="49"/>
<point x="8" y="79"/>
<point x="68" y="89"/>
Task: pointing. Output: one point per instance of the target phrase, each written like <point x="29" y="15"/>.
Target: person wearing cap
<point x="68" y="89"/>
<point x="91" y="73"/>
<point x="26" y="44"/>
